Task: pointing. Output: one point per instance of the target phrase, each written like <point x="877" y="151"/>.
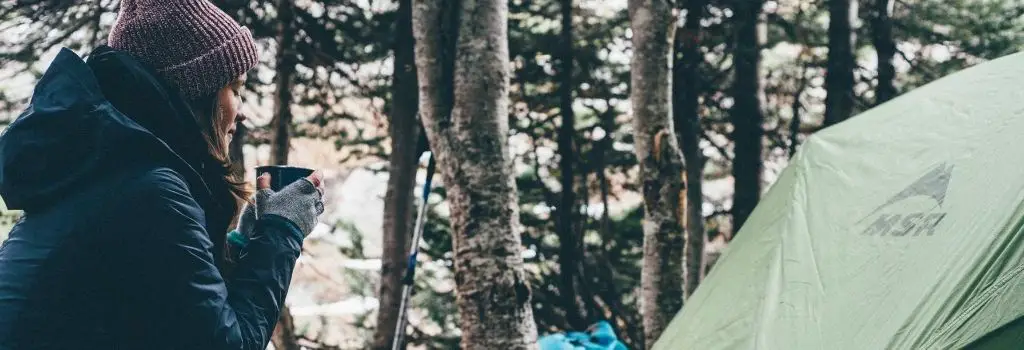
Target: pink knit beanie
<point x="191" y="44"/>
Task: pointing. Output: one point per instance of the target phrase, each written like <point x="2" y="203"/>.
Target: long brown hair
<point x="209" y="115"/>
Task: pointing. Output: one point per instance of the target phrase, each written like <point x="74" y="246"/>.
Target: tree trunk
<point x="284" y="333"/>
<point x="569" y="253"/>
<point x="462" y="64"/>
<point x="591" y="310"/>
<point x="747" y="116"/>
<point x="657" y="152"/>
<point x="686" y="90"/>
<point x="885" y="48"/>
<point x="281" y="124"/>
<point x="604" y="147"/>
<point x="796" y="108"/>
<point x="283" y="337"/>
<point x="403" y="163"/>
<point x="839" y="73"/>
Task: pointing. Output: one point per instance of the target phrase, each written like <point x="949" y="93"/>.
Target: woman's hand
<point x="243" y="232"/>
<point x="301" y="202"/>
<point x="247" y="220"/>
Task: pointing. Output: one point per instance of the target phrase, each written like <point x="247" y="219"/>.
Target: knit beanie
<point x="191" y="44"/>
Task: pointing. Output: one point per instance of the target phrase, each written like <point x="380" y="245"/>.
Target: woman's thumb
<point x="263" y="182"/>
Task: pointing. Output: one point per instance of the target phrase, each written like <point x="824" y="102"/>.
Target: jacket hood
<point x="72" y="134"/>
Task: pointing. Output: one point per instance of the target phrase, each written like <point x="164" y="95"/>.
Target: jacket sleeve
<point x="202" y="310"/>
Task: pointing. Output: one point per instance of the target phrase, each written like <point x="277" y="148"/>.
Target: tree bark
<point x="686" y="92"/>
<point x="281" y="124"/>
<point x="797" y="107"/>
<point x="570" y="248"/>
<point x="284" y="333"/>
<point x="839" y="73"/>
<point x="586" y="290"/>
<point x="657" y="152"/>
<point x="747" y="116"/>
<point x="604" y="147"/>
<point x="284" y="337"/>
<point x="885" y="48"/>
<point x="462" y="64"/>
<point x="404" y="130"/>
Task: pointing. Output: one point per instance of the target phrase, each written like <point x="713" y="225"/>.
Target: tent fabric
<point x="900" y="228"/>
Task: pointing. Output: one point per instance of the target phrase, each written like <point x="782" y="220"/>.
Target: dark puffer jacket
<point x="124" y="222"/>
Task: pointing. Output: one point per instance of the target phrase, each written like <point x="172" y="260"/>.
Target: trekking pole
<point x="414" y="249"/>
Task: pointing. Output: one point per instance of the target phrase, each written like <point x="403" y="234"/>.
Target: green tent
<point x="901" y="228"/>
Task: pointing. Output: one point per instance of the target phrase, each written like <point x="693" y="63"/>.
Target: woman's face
<point x="228" y="98"/>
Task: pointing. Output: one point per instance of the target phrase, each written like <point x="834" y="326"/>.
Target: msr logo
<point x="917" y="210"/>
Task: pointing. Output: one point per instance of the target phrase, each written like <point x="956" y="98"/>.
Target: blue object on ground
<point x="599" y="336"/>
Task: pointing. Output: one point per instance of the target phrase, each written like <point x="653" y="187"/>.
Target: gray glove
<point x="299" y="202"/>
<point x="247" y="221"/>
<point x="240" y="236"/>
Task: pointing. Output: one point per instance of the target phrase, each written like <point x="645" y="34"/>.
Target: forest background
<point x="338" y="89"/>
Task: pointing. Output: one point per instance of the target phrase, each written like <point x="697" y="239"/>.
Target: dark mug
<point x="283" y="175"/>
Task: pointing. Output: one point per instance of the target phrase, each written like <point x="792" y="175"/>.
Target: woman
<point x="120" y="166"/>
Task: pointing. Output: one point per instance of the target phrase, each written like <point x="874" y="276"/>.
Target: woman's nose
<point x="240" y="117"/>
